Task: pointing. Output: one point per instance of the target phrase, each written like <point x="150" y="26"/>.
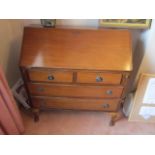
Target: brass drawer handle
<point x="109" y="92"/>
<point x="105" y="105"/>
<point x="40" y="89"/>
<point x="50" y="77"/>
<point x="99" y="79"/>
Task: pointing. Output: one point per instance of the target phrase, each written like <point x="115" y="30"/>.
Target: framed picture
<point x="126" y="23"/>
<point x="143" y="105"/>
<point x="48" y="22"/>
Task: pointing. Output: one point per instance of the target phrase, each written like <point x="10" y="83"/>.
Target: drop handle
<point x="50" y="77"/>
<point x="40" y="89"/>
<point x="109" y="92"/>
<point x="99" y="79"/>
<point x="105" y="105"/>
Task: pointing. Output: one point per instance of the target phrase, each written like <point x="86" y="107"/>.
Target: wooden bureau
<point x="76" y="69"/>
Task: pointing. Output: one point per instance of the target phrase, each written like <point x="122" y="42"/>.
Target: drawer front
<point x="75" y="90"/>
<point x="72" y="103"/>
<point x="101" y="78"/>
<point x="50" y="76"/>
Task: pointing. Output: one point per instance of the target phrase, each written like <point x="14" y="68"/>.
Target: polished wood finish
<point x="50" y="76"/>
<point x="76" y="103"/>
<point x="77" y="49"/>
<point x="99" y="78"/>
<point x="76" y="69"/>
<point x="75" y="90"/>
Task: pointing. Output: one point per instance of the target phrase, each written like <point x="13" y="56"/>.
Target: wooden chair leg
<point x="115" y="116"/>
<point x="36" y="114"/>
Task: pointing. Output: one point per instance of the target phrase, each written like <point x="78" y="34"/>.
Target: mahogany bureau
<point x="76" y="69"/>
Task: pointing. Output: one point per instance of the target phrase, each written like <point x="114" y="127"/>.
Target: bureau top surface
<point x="77" y="49"/>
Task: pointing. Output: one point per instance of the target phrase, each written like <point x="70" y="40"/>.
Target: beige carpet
<point x="82" y="123"/>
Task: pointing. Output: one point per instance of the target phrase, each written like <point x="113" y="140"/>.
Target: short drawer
<point x="75" y="90"/>
<point x="72" y="103"/>
<point x="50" y="76"/>
<point x="99" y="77"/>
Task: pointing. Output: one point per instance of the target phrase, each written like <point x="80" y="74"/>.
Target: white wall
<point x="145" y="54"/>
<point x="148" y="62"/>
<point x="10" y="43"/>
<point x="91" y="23"/>
<point x="66" y="22"/>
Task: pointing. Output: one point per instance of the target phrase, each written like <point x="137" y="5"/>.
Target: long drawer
<point x="72" y="103"/>
<point x="75" y="90"/>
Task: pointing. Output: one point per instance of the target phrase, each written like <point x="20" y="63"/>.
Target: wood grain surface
<point x="78" y="103"/>
<point x="74" y="90"/>
<point x="77" y="49"/>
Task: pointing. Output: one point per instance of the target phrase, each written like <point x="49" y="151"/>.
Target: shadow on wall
<point x="11" y="32"/>
<point x="12" y="70"/>
<point x="137" y="60"/>
<point x="144" y="54"/>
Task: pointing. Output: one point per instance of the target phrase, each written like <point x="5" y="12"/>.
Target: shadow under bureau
<point x="76" y="69"/>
